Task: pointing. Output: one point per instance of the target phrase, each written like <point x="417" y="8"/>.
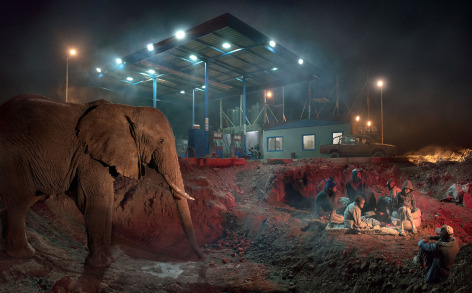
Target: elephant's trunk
<point x="180" y="198"/>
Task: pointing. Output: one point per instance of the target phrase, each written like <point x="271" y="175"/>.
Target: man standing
<point x="327" y="200"/>
<point x="438" y="258"/>
<point x="405" y="201"/>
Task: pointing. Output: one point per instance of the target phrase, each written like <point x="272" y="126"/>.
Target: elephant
<point x="49" y="147"/>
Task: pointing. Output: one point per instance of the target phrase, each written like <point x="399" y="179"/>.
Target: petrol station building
<point x="218" y="59"/>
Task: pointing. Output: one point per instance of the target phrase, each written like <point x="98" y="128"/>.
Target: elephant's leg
<point x="95" y="200"/>
<point x="16" y="243"/>
<point x="4" y="220"/>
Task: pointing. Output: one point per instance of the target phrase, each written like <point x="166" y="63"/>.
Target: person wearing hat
<point x="438" y="258"/>
<point x="356" y="186"/>
<point x="385" y="203"/>
<point x="405" y="202"/>
<point x="327" y="200"/>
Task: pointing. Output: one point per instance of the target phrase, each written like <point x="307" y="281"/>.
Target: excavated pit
<point x="255" y="226"/>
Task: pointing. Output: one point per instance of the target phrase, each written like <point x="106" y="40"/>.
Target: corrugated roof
<point x="306" y="123"/>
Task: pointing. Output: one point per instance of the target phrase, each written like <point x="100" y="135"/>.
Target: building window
<point x="308" y="142"/>
<point x="337" y="137"/>
<point x="275" y="144"/>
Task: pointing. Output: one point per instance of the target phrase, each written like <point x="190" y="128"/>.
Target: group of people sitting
<point x="397" y="206"/>
<point x="360" y="203"/>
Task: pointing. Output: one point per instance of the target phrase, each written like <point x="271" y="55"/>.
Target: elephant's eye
<point x="161" y="140"/>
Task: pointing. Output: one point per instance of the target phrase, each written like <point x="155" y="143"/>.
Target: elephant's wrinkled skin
<point x="47" y="147"/>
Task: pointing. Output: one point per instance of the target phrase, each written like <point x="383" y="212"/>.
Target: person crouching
<point x="327" y="200"/>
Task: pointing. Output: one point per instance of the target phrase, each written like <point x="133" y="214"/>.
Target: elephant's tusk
<point x="176" y="189"/>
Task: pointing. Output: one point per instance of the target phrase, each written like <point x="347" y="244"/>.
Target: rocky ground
<point x="255" y="226"/>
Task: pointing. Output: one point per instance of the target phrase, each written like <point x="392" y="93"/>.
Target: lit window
<point x="275" y="144"/>
<point x="337" y="137"/>
<point x="309" y="142"/>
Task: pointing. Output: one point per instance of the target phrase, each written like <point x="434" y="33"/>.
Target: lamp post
<point x="72" y="52"/>
<point x="380" y="84"/>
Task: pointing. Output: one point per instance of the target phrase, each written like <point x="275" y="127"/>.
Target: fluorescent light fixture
<point x="274" y="69"/>
<point x="180" y="34"/>
<point x="150" y="47"/>
<point x="151" y="71"/>
<point x="226" y="45"/>
<point x="272" y="44"/>
<point x="129" y="78"/>
<point x="193" y="57"/>
<point x="118" y="61"/>
<point x="99" y="69"/>
<point x="182" y="92"/>
<point x="203" y="86"/>
<point x="300" y="61"/>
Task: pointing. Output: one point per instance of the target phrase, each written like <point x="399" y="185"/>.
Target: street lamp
<point x="380" y="84"/>
<point x="72" y="52"/>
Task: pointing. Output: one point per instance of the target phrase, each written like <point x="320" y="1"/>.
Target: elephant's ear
<point x="107" y="133"/>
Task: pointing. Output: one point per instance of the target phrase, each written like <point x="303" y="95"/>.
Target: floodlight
<point x="150" y="47"/>
<point x="99" y="69"/>
<point x="358" y="118"/>
<point x="193" y="57"/>
<point x="118" y="61"/>
<point x="72" y="52"/>
<point x="226" y="45"/>
<point x="203" y="86"/>
<point x="300" y="61"/>
<point x="274" y="69"/>
<point x="151" y="71"/>
<point x="380" y="83"/>
<point x="182" y="92"/>
<point x="180" y="34"/>
<point x="129" y="78"/>
<point x="272" y="44"/>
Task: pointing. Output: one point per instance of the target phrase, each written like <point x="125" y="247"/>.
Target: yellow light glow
<point x="380" y="83"/>
<point x="369" y="123"/>
<point x="269" y="94"/>
<point x="358" y="118"/>
<point x="73" y="52"/>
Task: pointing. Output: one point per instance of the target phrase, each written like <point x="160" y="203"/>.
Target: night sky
<point x="421" y="49"/>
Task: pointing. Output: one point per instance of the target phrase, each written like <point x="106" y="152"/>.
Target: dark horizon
<point x="420" y="50"/>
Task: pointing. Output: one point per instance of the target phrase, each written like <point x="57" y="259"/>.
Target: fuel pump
<point x="237" y="146"/>
<point x="217" y="144"/>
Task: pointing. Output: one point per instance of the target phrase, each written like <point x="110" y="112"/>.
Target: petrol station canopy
<point x="229" y="53"/>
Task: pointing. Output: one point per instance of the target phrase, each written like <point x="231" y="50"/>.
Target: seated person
<point x="356" y="186"/>
<point x="439" y="257"/>
<point x="405" y="202"/>
<point x="384" y="204"/>
<point x="327" y="200"/>
<point x="352" y="216"/>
